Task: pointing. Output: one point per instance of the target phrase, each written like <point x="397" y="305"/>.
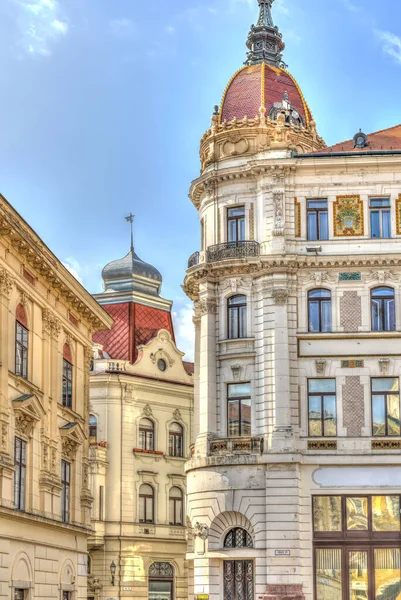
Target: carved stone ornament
<point x="147" y="411"/>
<point x="51" y="324"/>
<point x="381" y="276"/>
<point x="177" y="415"/>
<point x="3" y="445"/>
<point x="280" y="296"/>
<point x="232" y="284"/>
<point x="207" y="307"/>
<point x="6" y="283"/>
<point x="320" y="365"/>
<point x="155" y="356"/>
<point x="196" y="320"/>
<point x="69" y="448"/>
<point x="24" y="423"/>
<point x="129" y="393"/>
<point x="383" y="365"/>
<point x="278" y="207"/>
<point x="236" y="371"/>
<point x="201" y="530"/>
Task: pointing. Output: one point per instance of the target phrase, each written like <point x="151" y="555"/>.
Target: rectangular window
<point x="328" y="574"/>
<point x="20" y="473"/>
<point x="67" y="383"/>
<point x="380" y="218"/>
<point x="101" y="501"/>
<point x="317" y="216"/>
<point x="19" y="594"/>
<point x="239" y="409"/>
<point x="65" y="490"/>
<point x="21" y="351"/>
<point x="322" y="409"/>
<point x="236" y="224"/>
<point x="66" y="595"/>
<point x="327" y="513"/>
<point x="385" y="406"/>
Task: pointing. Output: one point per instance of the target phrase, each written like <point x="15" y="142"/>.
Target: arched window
<point x="383" y="309"/>
<point x="175" y="440"/>
<point x="146" y="434"/>
<point x="238" y="538"/>
<point x="161" y="580"/>
<point x="176" y="507"/>
<point x="319" y="310"/>
<point x="146" y="504"/>
<point x="67" y="376"/>
<point x="93" y="427"/>
<point x="236" y="307"/>
<point x="21" y="342"/>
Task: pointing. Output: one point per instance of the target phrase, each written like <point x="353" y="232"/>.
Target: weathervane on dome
<point x="265" y="42"/>
<point x="130" y="219"/>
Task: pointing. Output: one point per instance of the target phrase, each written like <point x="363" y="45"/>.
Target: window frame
<point x="21" y="472"/>
<point x="232" y="532"/>
<point x="68" y="379"/>
<point x="380" y="210"/>
<point x="382" y="299"/>
<point x="173" y="441"/>
<point x="385" y="394"/>
<point x="180" y="503"/>
<point x="146" y="430"/>
<point x="320" y="301"/>
<point x="322" y="394"/>
<point x="241" y="323"/>
<point x="92" y="427"/>
<point x="22" y="369"/>
<point x="236" y="219"/>
<point x="65" y="491"/>
<point x="317" y="212"/>
<point x="239" y="399"/>
<point x="144" y="497"/>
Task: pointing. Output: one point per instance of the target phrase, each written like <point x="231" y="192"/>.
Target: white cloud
<point x="391" y="44"/>
<point x="185" y="330"/>
<point x="40" y="23"/>
<point x="72" y="264"/>
<point x="123" y="28"/>
<point x="351" y="6"/>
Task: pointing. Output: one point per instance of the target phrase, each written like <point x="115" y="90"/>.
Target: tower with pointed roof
<point x="293" y="483"/>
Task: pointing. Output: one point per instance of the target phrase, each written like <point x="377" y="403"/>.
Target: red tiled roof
<point x="134" y="325"/>
<point x="189" y="367"/>
<point x="246" y="93"/>
<point x="385" y="139"/>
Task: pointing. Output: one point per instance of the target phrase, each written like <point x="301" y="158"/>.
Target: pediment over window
<point x="28" y="411"/>
<point x="72" y="436"/>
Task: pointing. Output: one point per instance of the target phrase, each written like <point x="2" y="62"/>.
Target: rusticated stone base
<point x="284" y="592"/>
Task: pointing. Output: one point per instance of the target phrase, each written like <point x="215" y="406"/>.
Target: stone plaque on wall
<point x="348" y="216"/>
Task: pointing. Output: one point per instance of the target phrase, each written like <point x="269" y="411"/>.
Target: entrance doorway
<point x="238" y="580"/>
<point x="161" y="581"/>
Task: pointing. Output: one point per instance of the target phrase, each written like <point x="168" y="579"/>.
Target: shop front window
<point x="357" y="547"/>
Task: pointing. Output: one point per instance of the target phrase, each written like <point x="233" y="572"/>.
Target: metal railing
<point x="243" y="249"/>
<point x="242" y="445"/>
<point x="193" y="260"/>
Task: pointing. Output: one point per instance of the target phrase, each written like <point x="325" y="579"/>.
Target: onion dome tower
<point x="132" y="297"/>
<point x="263" y="106"/>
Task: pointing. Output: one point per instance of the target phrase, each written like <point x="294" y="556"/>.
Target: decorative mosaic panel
<point x="348" y="216"/>
<point x="297" y="213"/>
<point x="386" y="444"/>
<point x="352" y="364"/>
<point x="350" y="277"/>
<point x="322" y="445"/>
<point x="398" y="214"/>
<point x="252" y="222"/>
<point x="351" y="311"/>
<point x="353" y="406"/>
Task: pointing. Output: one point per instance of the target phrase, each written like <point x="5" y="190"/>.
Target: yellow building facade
<point x="47" y="320"/>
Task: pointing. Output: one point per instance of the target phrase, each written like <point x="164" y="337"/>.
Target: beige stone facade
<point x="46" y="324"/>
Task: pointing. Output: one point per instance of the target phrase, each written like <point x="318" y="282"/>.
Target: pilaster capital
<point x="207" y="306"/>
<point x="280" y="296"/>
<point x="50" y="324"/>
<point x="6" y="283"/>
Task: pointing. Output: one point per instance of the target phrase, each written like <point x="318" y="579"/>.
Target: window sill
<point x="147" y="452"/>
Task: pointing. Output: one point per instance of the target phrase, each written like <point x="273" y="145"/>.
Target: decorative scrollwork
<point x="201" y="530"/>
<point x="161" y="569"/>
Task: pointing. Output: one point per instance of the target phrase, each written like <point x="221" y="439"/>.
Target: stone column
<point x="282" y="431"/>
<point x="207" y="373"/>
<point x="197" y="324"/>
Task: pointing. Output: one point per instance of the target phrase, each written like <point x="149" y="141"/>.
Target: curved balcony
<point x="236" y="250"/>
<point x="193" y="260"/>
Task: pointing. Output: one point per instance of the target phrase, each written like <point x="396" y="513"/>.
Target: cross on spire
<point x="130" y="219"/>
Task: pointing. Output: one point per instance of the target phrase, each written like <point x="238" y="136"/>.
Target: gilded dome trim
<point x="305" y="105"/>
<point x="226" y="91"/>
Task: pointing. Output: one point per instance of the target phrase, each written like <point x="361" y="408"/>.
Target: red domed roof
<point x="261" y="85"/>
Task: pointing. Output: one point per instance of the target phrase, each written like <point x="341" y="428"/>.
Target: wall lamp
<point x="113" y="571"/>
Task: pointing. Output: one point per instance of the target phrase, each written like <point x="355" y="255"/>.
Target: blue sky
<point x="103" y="104"/>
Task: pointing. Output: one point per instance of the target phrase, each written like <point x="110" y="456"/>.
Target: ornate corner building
<point x="47" y="320"/>
<point x="293" y="489"/>
<point x="140" y="428"/>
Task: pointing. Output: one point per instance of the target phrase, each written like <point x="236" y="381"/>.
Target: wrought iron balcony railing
<point x="233" y="250"/>
<point x="193" y="260"/>
<point x="242" y="445"/>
